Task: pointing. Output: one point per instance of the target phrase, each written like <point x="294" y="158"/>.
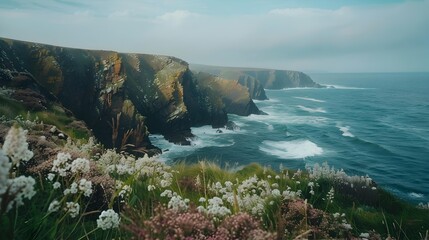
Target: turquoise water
<point x="375" y="124"/>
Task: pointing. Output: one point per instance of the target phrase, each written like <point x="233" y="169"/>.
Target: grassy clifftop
<point x="79" y="190"/>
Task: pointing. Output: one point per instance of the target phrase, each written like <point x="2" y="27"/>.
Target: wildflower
<point x="80" y="165"/>
<point x="167" y="193"/>
<point x="151" y="187"/>
<point x="16" y="147"/>
<point x="277" y="177"/>
<point x="108" y="219"/>
<point x="311" y="184"/>
<point x="276" y="193"/>
<point x="364" y="235"/>
<point x="56" y="185"/>
<point x="202" y="199"/>
<point x="51" y="176"/>
<point x="86" y="187"/>
<point x="330" y="195"/>
<point x="177" y="203"/>
<point x="54" y="206"/>
<point x="20" y="187"/>
<point x="125" y="190"/>
<point x="216" y="208"/>
<point x="61" y="165"/>
<point x="5" y="166"/>
<point x="72" y="208"/>
<point x="71" y="190"/>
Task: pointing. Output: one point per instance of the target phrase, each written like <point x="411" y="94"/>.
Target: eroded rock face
<point x="256" y="80"/>
<point x="123" y="96"/>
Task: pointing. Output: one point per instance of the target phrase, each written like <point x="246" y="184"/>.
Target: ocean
<point x="374" y="124"/>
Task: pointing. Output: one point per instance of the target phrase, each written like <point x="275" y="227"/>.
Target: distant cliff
<point x="257" y="79"/>
<point x="122" y="97"/>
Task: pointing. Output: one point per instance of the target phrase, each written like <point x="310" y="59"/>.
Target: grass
<point x="365" y="209"/>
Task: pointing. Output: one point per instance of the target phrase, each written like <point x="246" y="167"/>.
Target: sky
<point x="305" y="35"/>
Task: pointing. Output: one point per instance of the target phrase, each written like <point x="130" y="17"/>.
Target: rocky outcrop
<point x="122" y="97"/>
<point x="258" y="79"/>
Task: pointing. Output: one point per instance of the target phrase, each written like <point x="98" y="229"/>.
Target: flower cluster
<point x="108" y="219"/>
<point x="126" y="165"/>
<point x="16" y="146"/>
<point x="325" y="172"/>
<point x="64" y="167"/>
<point x="14" y="190"/>
<point x="215" y="208"/>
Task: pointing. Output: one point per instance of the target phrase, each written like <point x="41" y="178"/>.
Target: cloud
<point x="176" y="17"/>
<point x="390" y="37"/>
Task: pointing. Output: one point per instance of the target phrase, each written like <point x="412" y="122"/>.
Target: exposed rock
<point x="257" y="79"/>
<point x="230" y="125"/>
<point x="122" y="97"/>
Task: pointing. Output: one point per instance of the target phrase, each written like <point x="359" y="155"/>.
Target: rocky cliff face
<point x="122" y="96"/>
<point x="258" y="79"/>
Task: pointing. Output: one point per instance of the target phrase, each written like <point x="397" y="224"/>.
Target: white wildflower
<point x="20" y="187"/>
<point x="346" y="226"/>
<point x="330" y="195"/>
<point x="51" y="176"/>
<point x="5" y="166"/>
<point x="108" y="219"/>
<point x="56" y="185"/>
<point x="16" y="147"/>
<point x="151" y="187"/>
<point x="167" y="193"/>
<point x="276" y="193"/>
<point x="85" y="186"/>
<point x="61" y="165"/>
<point x="364" y="235"/>
<point x="277" y="177"/>
<point x="54" y="206"/>
<point x="80" y="165"/>
<point x="72" y="208"/>
<point x="202" y="199"/>
<point x="177" y="203"/>
<point x="72" y="190"/>
<point x="125" y="191"/>
<point x="216" y="208"/>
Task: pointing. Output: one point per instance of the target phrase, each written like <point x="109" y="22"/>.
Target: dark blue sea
<point x="375" y="124"/>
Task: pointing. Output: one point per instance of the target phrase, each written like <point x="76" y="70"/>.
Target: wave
<point x="311" y="110"/>
<point x="346" y="131"/>
<point x="295" y="149"/>
<point x="416" y="195"/>
<point x="277" y="117"/>
<point x="345" y="87"/>
<point x="310" y="99"/>
<point x="205" y="136"/>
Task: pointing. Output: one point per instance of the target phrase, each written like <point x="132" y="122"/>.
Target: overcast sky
<point x="306" y="35"/>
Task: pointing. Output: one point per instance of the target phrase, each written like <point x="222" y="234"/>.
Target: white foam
<point x="278" y="117"/>
<point x="310" y="99"/>
<point x="311" y="110"/>
<point x="346" y="131"/>
<point x="345" y="87"/>
<point x="295" y="149"/>
<point x="205" y="136"/>
<point x="416" y="195"/>
<point x="270" y="127"/>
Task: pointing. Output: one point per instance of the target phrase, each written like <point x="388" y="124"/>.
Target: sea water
<point x="375" y="124"/>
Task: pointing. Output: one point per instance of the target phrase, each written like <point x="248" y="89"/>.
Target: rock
<point x="256" y="79"/>
<point x="219" y="131"/>
<point x="230" y="125"/>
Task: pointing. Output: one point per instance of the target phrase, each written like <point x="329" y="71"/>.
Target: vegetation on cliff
<point x="54" y="188"/>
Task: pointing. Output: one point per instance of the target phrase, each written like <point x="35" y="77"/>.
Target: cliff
<point x="122" y="97"/>
<point x="256" y="80"/>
